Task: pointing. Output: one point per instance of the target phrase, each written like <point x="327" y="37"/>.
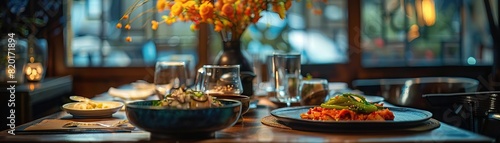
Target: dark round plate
<point x="404" y="118"/>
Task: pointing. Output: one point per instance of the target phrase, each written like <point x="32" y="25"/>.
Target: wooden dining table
<point x="251" y="129"/>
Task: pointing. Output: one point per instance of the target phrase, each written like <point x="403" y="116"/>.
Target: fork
<point x="76" y="124"/>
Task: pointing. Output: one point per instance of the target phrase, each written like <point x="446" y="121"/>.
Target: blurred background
<point x="349" y="40"/>
<point x="73" y="48"/>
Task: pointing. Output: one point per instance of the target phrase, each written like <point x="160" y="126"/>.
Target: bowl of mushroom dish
<point x="184" y="113"/>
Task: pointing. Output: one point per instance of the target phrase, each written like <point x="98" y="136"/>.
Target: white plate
<point x="131" y="94"/>
<point x="91" y="113"/>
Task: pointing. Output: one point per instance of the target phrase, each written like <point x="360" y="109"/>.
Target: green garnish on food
<point x="354" y="102"/>
<point x="188" y="99"/>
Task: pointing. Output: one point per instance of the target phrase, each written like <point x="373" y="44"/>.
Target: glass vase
<point x="36" y="66"/>
<point x="13" y="60"/>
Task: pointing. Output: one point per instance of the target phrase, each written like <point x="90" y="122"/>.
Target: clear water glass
<point x="313" y="91"/>
<point x="221" y="79"/>
<point x="287" y="77"/>
<point x="168" y="75"/>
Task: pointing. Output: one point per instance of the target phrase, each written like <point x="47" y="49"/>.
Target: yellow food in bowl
<point x="90" y="105"/>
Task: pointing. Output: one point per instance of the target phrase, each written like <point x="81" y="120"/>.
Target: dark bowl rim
<point x="232" y="105"/>
<point x="228" y="95"/>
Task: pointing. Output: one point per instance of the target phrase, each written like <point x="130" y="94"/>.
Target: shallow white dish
<point x="131" y="94"/>
<point x="93" y="113"/>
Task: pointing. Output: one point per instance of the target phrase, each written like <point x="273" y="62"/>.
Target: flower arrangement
<point x="229" y="17"/>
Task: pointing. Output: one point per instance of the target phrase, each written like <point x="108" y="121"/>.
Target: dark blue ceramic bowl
<point x="180" y="123"/>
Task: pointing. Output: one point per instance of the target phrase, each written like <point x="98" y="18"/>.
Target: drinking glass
<point x="168" y="75"/>
<point x="222" y="79"/>
<point x="287" y="77"/>
<point x="270" y="74"/>
<point x="313" y="91"/>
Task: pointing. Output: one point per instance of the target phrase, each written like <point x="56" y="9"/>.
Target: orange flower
<point x="218" y="4"/>
<point x="218" y="28"/>
<point x="229" y="1"/>
<point x="161" y="5"/>
<point x="193" y="27"/>
<point x="128" y="39"/>
<point x="181" y="1"/>
<point x="227" y="23"/>
<point x="125" y="16"/>
<point x="240" y="9"/>
<point x="119" y="25"/>
<point x="248" y="11"/>
<point x="154" y="24"/>
<point x="228" y="10"/>
<point x="206" y="10"/>
<point x="127" y="26"/>
<point x="169" y="20"/>
<point x="176" y="9"/>
<point x="190" y="5"/>
<point x="231" y="15"/>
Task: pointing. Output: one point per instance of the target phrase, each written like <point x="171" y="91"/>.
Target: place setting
<point x="307" y="104"/>
<point x="213" y="103"/>
<point x="350" y="112"/>
<point x="83" y="116"/>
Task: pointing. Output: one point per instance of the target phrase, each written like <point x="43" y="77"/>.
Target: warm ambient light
<point x="429" y="12"/>
<point x="426" y="12"/>
<point x="34" y="71"/>
<point x="413" y="33"/>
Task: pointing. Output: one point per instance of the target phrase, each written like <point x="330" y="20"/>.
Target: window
<point x="322" y="39"/>
<point x="425" y="33"/>
<point x="93" y="41"/>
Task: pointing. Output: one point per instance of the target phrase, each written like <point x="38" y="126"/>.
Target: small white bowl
<point x="93" y="113"/>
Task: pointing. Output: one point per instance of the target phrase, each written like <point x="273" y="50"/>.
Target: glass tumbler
<point x="287" y="77"/>
<point x="313" y="91"/>
<point x="222" y="79"/>
<point x="168" y="75"/>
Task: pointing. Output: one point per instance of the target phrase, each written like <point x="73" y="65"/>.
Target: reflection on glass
<point x="424" y="33"/>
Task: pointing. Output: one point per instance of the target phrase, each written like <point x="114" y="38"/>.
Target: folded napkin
<point x="142" y="85"/>
<point x="131" y="94"/>
<point x="57" y="124"/>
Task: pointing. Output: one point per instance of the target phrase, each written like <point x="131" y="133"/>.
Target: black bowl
<point x="166" y="122"/>
<point x="245" y="100"/>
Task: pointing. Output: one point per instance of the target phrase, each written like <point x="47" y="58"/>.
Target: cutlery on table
<point x="77" y="124"/>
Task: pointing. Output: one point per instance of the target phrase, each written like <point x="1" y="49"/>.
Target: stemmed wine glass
<point x="168" y="75"/>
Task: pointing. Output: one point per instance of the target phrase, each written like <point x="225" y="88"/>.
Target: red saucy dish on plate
<point x="348" y="107"/>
